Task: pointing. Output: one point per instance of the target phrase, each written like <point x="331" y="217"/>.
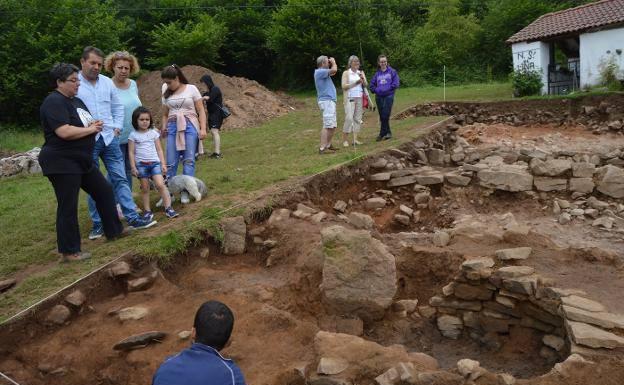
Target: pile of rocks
<point x="602" y="214"/>
<point x="486" y="302"/>
<point x="599" y="114"/>
<point x="24" y="163"/>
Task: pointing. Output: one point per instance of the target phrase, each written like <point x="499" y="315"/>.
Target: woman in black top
<point x="66" y="158"/>
<point x="214" y="100"/>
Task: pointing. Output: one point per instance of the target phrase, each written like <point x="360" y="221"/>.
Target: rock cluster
<point x="24" y="163"/>
<point x="597" y="114"/>
<point x="486" y="302"/>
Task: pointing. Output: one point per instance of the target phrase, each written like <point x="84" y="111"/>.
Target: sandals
<point x="79" y="256"/>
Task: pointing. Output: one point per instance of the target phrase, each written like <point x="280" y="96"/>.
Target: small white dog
<point x="185" y="185"/>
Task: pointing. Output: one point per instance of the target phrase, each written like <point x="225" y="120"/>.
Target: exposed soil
<point x="278" y="304"/>
<point x="250" y="102"/>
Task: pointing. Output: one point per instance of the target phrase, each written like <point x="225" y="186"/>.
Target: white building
<point x="590" y="36"/>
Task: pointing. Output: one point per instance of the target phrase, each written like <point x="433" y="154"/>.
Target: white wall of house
<point x="595" y="49"/>
<point x="534" y="56"/>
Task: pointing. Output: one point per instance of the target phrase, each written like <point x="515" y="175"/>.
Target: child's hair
<point x="135" y="116"/>
<point x="171" y="72"/>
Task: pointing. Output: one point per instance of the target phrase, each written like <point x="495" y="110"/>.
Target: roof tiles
<point x="578" y="19"/>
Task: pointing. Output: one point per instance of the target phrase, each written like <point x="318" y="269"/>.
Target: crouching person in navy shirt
<point x="201" y="364"/>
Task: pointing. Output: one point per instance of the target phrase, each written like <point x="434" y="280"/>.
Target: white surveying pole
<point x="444" y="81"/>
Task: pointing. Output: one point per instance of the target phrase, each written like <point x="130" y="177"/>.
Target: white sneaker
<point x="345" y="144"/>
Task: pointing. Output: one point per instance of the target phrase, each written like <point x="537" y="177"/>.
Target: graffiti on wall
<point x="526" y="60"/>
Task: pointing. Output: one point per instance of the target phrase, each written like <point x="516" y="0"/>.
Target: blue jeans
<point x="146" y="170"/>
<point x="188" y="154"/>
<point x="114" y="162"/>
<point x="384" y="106"/>
<point x="124" y="150"/>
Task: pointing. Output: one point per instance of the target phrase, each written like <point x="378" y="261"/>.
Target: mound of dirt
<point x="250" y="102"/>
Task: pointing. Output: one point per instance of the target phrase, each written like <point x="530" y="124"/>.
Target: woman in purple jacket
<point x="383" y="85"/>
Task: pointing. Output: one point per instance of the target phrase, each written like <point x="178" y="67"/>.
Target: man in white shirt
<point x="99" y="94"/>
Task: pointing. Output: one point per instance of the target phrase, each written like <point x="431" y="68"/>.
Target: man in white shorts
<point x="326" y="96"/>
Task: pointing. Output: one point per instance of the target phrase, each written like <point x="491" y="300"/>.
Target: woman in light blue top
<point x="122" y="64"/>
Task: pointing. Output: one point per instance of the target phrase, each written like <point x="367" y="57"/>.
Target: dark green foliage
<point x="526" y="82"/>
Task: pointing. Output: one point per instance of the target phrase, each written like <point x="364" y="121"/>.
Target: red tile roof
<point x="578" y="19"/>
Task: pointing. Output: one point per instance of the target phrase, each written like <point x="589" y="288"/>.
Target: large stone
<point x="470" y="369"/>
<point x="582" y="185"/>
<point x="514" y="271"/>
<point x="120" y="269"/>
<point x="457" y="179"/>
<point x="139" y="340"/>
<point x="611" y="181"/>
<point x="602" y="319"/>
<point x="583" y="303"/>
<point x="234" y="233"/>
<point x="330" y="366"/>
<point x="402" y="219"/>
<point x="436" y="156"/>
<point x="430" y="178"/>
<point x="477" y="263"/>
<point x="361" y="221"/>
<point x="455" y="304"/>
<point x="379" y="163"/>
<point x="507" y="178"/>
<point x="76" y="298"/>
<point x="402" y="181"/>
<point x="58" y="315"/>
<point x="380" y="177"/>
<point x="359" y="274"/>
<point x="521" y="285"/>
<point x="587" y="335"/>
<point x="518" y="253"/>
<point x="132" y="313"/>
<point x="441" y="238"/>
<point x="554" y="342"/>
<point x="375" y="203"/>
<point x="278" y="216"/>
<point x="472" y="292"/>
<point x="552" y="167"/>
<point x="606" y="222"/>
<point x="340" y="206"/>
<point x="142" y="283"/>
<point x="306" y="209"/>
<point x="450" y="326"/>
<point x="550" y="184"/>
<point x="367" y="358"/>
<point x="583" y="170"/>
<point x="406" y="210"/>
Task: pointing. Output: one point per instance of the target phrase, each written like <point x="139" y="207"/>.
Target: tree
<point x="305" y="29"/>
<point x="34" y="38"/>
<point x="194" y="42"/>
<point x="447" y="39"/>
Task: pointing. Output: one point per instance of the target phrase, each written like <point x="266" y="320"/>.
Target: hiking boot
<point x="387" y="137"/>
<point x="216" y="155"/>
<point x="96" y="232"/>
<point x="79" y="256"/>
<point x="148" y="216"/>
<point x="170" y="212"/>
<point x="331" y="148"/>
<point x="322" y="151"/>
<point x="141" y="223"/>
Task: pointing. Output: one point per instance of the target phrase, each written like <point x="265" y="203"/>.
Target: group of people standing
<point x="90" y="117"/>
<point x="355" y="95"/>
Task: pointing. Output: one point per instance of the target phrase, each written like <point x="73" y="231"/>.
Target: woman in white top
<point x="353" y="83"/>
<point x="183" y="121"/>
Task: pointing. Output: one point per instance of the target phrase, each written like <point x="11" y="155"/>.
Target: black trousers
<point x="66" y="188"/>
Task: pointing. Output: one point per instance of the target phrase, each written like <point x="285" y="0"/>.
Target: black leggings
<point x="66" y="188"/>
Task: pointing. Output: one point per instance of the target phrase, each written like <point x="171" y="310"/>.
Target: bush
<point x="609" y="73"/>
<point x="526" y="82"/>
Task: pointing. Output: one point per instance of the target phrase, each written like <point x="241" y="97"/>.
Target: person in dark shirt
<point x="66" y="159"/>
<point x="214" y="102"/>
<point x="202" y="364"/>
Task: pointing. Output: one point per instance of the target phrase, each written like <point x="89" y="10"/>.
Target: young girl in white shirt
<point x="147" y="160"/>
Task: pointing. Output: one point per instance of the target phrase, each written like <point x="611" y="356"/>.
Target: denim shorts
<point x="148" y="169"/>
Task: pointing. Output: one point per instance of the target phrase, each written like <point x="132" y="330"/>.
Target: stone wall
<point x="598" y="113"/>
<point x="485" y="302"/>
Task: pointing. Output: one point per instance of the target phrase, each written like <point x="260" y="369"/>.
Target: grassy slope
<point x="255" y="158"/>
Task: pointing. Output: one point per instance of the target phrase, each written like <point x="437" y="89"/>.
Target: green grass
<point x="254" y="158"/>
<point x="13" y="139"/>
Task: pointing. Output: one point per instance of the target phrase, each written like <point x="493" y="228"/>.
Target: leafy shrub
<point x="526" y="82"/>
<point x="608" y="70"/>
